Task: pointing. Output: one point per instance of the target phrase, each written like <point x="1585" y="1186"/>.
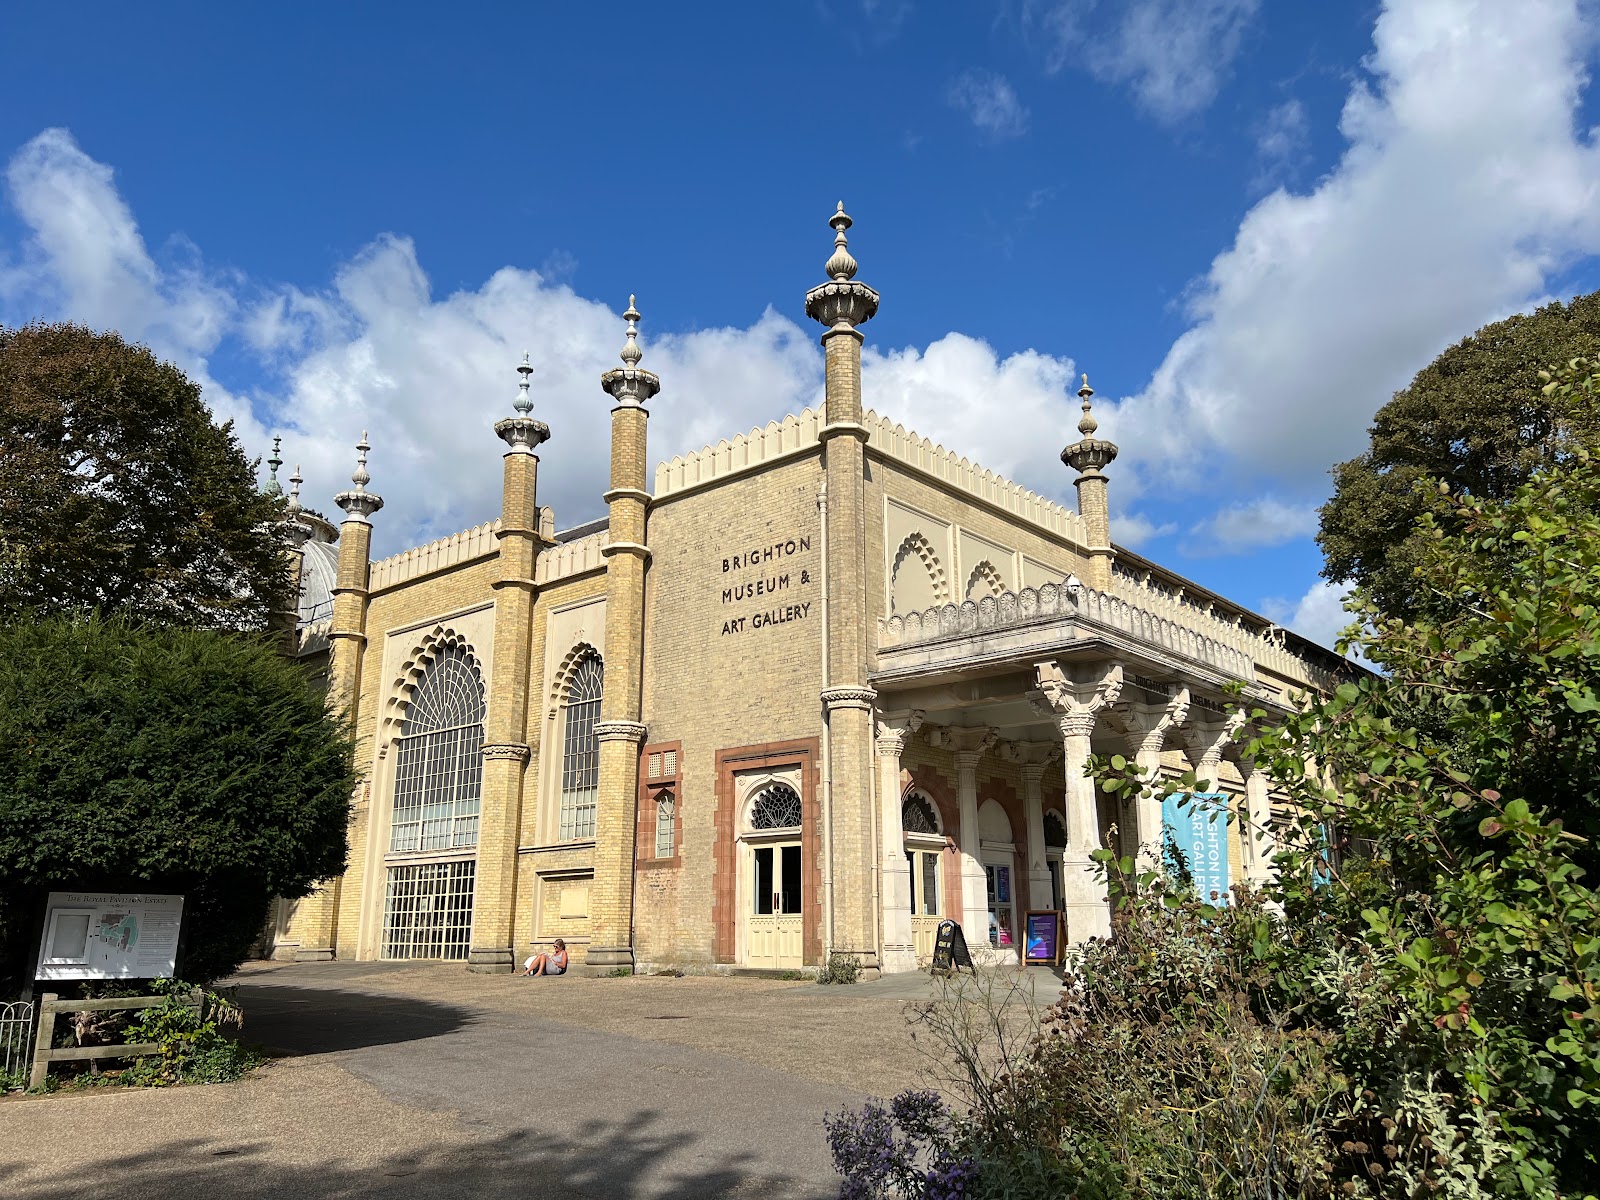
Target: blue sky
<point x="1248" y="222"/>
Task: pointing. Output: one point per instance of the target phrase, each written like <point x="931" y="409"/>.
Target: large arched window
<point x="439" y="758"/>
<point x="580" y="750"/>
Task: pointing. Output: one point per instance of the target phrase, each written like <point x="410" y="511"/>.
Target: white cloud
<point x="1253" y="525"/>
<point x="1174" y="54"/>
<point x="1283" y="138"/>
<point x="1133" y="529"/>
<point x="428" y="375"/>
<point x="990" y="103"/>
<point x="1464" y="187"/>
<point x="1318" y="615"/>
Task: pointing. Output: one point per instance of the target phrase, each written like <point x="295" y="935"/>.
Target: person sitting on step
<point x="554" y="963"/>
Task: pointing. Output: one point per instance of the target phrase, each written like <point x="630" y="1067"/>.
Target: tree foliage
<point x="1475" y="419"/>
<point x="164" y="760"/>
<point x="1423" y="1018"/>
<point x="119" y="492"/>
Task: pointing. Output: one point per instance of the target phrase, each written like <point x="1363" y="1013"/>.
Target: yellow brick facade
<point x="758" y="653"/>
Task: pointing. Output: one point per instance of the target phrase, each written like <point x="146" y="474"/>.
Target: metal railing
<point x="16" y="1039"/>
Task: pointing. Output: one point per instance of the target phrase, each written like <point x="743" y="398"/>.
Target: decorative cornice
<point x="626" y="493"/>
<point x="499" y="751"/>
<point x="636" y="548"/>
<point x="621" y="731"/>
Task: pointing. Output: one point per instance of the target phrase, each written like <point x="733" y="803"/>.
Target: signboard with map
<point x="110" y="935"/>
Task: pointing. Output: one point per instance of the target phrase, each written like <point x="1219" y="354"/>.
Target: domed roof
<point x="318" y="573"/>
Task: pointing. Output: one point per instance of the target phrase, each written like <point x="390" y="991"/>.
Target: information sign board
<point x="1198" y="823"/>
<point x="1043" y="941"/>
<point x="950" y="948"/>
<point x="110" y="935"/>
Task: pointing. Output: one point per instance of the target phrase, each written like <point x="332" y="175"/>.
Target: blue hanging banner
<point x="1198" y="824"/>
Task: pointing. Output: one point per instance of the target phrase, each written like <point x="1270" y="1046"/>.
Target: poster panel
<point x="1198" y="825"/>
<point x="110" y="935"/>
<point x="1043" y="944"/>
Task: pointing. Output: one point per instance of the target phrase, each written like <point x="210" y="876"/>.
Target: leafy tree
<point x="165" y="760"/>
<point x="1476" y="419"/>
<point x="1424" y="1017"/>
<point x="118" y="491"/>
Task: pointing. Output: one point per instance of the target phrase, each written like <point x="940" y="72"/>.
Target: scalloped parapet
<point x="1149" y="617"/>
<point x="741" y="452"/>
<point x="1232" y="627"/>
<point x="440" y="555"/>
<point x="921" y="454"/>
<point x="1050" y="603"/>
<point x="572" y="558"/>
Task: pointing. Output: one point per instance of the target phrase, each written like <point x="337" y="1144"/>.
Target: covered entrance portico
<point x="993" y="716"/>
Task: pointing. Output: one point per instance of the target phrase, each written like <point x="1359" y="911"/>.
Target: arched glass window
<point x="777" y="807"/>
<point x="1055" y="830"/>
<point x="916" y="815"/>
<point x="666" y="824"/>
<point x="580" y="753"/>
<point x="439" y="758"/>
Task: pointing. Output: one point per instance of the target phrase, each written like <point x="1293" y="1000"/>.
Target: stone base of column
<point x="1084" y="898"/>
<point x="1039" y="888"/>
<point x="897" y="960"/>
<point x="610" y="956"/>
<point x="313" y="954"/>
<point x="500" y="960"/>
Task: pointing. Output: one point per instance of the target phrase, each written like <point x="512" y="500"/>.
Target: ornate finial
<point x="1087" y="425"/>
<point x="630" y="384"/>
<point x="295" y="481"/>
<point x="273" y="463"/>
<point x="842" y="266"/>
<point x="521" y="432"/>
<point x="297" y="532"/>
<point x="841" y="301"/>
<point x="358" y="503"/>
<point x="359" y="476"/>
<point x="631" y="354"/>
<point x="1089" y="453"/>
<point x="524" y="404"/>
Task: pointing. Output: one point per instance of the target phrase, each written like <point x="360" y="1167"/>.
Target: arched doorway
<point x="998" y="852"/>
<point x="924" y="845"/>
<point x="773" y="886"/>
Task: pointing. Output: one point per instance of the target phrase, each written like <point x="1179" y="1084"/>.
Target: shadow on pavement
<point x="299" y="1020"/>
<point x="605" y="1158"/>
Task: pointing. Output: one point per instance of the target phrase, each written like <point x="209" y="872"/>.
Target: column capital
<point x="620" y="731"/>
<point x="1032" y="757"/>
<point x="968" y="743"/>
<point x="848" y="696"/>
<point x="1146" y="725"/>
<point x="514" y="751"/>
<point x="1204" y="741"/>
<point x="894" y="732"/>
<point x="1075" y="700"/>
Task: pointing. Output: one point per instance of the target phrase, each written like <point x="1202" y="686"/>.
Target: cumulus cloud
<point x="426" y="375"/>
<point x="1283" y="140"/>
<point x="1135" y="529"/>
<point x="990" y="103"/>
<point x="1252" y="525"/>
<point x="1464" y="186"/>
<point x="1318" y="615"/>
<point x="1174" y="55"/>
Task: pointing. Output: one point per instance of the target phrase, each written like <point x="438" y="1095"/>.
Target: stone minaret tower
<point x="619" y="730"/>
<point x="842" y="304"/>
<point x="505" y="748"/>
<point x="1087" y="456"/>
<point x="316" y="918"/>
<point x="296" y="533"/>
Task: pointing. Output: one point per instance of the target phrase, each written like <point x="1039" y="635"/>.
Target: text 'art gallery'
<point x="914" y="658"/>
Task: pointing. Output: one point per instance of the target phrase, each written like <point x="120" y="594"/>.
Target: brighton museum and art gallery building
<point x="913" y="660"/>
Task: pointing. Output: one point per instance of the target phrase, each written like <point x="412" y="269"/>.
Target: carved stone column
<point x="1146" y="727"/>
<point x="1204" y="743"/>
<point x="1034" y="759"/>
<point x="968" y="746"/>
<point x="1075" y="701"/>
<point x="894" y="887"/>
<point x="1259" y="844"/>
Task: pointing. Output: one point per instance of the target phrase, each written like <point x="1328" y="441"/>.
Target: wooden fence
<point x="51" y="1006"/>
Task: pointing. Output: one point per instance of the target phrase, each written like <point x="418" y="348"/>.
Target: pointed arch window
<point x="580" y="750"/>
<point x="777" y="807"/>
<point x="439" y="758"/>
